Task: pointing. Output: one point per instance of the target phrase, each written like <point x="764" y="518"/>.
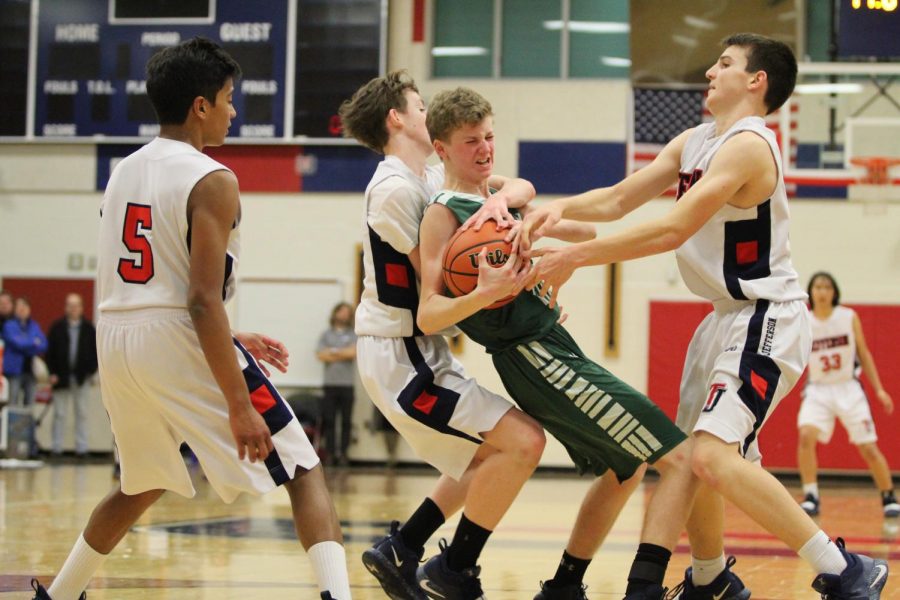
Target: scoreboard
<point x="300" y="59"/>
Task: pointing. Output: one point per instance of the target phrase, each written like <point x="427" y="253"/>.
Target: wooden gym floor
<point x="204" y="549"/>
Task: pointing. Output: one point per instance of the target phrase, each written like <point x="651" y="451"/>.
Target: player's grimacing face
<point x="822" y="292"/>
<point x="470" y="150"/>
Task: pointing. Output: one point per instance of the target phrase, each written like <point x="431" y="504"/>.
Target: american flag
<point x="660" y="114"/>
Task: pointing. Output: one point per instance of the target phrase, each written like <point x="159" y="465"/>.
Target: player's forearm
<point x="214" y="333"/>
<point x="601" y="204"/>
<point x="869" y="368"/>
<point x="573" y="231"/>
<point x="648" y="239"/>
<point x="518" y="192"/>
<point x="440" y="312"/>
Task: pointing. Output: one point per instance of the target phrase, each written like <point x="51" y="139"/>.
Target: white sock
<point x="330" y="564"/>
<point x="823" y="554"/>
<point x="703" y="571"/>
<point x="811" y="488"/>
<point x="76" y="572"/>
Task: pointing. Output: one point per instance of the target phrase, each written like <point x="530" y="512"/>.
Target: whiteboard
<point x="294" y="311"/>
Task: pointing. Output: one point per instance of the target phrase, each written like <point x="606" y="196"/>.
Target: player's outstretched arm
<point x="743" y="158"/>
<point x="437" y="311"/>
<point x="567" y="230"/>
<point x="609" y="203"/>
<point x="212" y="211"/>
<point x="868" y="366"/>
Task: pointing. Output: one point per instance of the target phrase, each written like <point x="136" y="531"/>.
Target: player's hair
<point x="178" y="74"/>
<point x="334" y="311"/>
<point x="775" y="58"/>
<point x="363" y="115"/>
<point x="837" y="291"/>
<point x="451" y="109"/>
<point x="6" y="293"/>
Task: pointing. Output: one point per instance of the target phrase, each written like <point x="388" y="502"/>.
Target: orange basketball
<point x="461" y="258"/>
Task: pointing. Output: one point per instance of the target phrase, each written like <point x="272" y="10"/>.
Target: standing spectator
<point x="337" y="349"/>
<point x="72" y="361"/>
<point x="6" y="307"/>
<point x="23" y="341"/>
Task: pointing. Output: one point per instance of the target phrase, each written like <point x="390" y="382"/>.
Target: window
<point x="531" y="38"/>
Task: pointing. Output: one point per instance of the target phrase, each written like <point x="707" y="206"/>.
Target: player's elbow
<point x="426" y="324"/>
<point x="672" y="237"/>
<point x="199" y="303"/>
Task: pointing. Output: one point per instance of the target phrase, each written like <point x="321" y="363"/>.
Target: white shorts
<point x="423" y="391"/>
<point x="847" y="401"/>
<point x="159" y="392"/>
<point x="743" y="359"/>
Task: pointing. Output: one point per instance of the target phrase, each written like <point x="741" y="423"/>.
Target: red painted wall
<point x="48" y="296"/>
<point x="673" y="323"/>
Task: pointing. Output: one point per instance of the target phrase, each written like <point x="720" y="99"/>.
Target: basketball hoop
<point x="876" y="168"/>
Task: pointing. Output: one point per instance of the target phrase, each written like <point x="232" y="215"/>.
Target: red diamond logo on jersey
<point x="759" y="384"/>
<point x="396" y="275"/>
<point x="262" y="399"/>
<point x="747" y="252"/>
<point x="425" y="402"/>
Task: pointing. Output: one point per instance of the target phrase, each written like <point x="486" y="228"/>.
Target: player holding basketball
<point x="834" y="391"/>
<point x="484" y="447"/>
<point x="729" y="229"/>
<point x="170" y="369"/>
<point x="604" y="424"/>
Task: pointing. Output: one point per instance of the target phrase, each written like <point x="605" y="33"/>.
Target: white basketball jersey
<point x="740" y="253"/>
<point x="395" y="203"/>
<point x="833" y="358"/>
<point x="144" y="249"/>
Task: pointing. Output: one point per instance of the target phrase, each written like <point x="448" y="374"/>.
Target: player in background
<point x="608" y="428"/>
<point x="484" y="447"/>
<point x="170" y="369"/>
<point x="834" y="391"/>
<point x="729" y="229"/>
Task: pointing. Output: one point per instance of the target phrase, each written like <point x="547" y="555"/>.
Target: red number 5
<point x="138" y="220"/>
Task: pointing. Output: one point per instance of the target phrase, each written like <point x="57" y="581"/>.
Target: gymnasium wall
<point x="292" y="228"/>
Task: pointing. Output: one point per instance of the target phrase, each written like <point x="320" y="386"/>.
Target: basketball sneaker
<point x="649" y="592"/>
<point x="41" y="594"/>
<point x="574" y="591"/>
<point x="726" y="586"/>
<point x="863" y="579"/>
<point x="810" y="504"/>
<point x="890" y="506"/>
<point x="394" y="566"/>
<point x="438" y="581"/>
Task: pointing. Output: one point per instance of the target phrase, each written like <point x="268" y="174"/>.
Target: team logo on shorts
<point x="715" y="392"/>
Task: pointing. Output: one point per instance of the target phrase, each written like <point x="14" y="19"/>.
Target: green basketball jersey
<point x="526" y="318"/>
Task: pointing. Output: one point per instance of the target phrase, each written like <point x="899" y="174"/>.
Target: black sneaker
<point x="326" y="596"/>
<point x="650" y="592"/>
<point x="863" y="579"/>
<point x="439" y="582"/>
<point x="41" y="594"/>
<point x="726" y="586"/>
<point x="890" y="506"/>
<point x="574" y="591"/>
<point x="394" y="566"/>
<point x="810" y="505"/>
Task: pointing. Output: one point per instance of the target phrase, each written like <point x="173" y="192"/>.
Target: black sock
<point x="888" y="496"/>
<point x="648" y="568"/>
<point x="571" y="570"/>
<point x="421" y="525"/>
<point x="468" y="541"/>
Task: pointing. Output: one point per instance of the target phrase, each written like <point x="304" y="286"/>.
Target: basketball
<point x="461" y="258"/>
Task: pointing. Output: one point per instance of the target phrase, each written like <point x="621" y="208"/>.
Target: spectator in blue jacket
<point x="24" y="340"/>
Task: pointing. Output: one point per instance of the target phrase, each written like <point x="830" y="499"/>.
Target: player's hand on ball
<point x="494" y="208"/>
<point x="552" y="270"/>
<point x="265" y="349"/>
<point x="251" y="434"/>
<point x="535" y="226"/>
<point x="495" y="283"/>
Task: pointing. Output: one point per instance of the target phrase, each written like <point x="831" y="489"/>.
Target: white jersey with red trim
<point x="395" y="203"/>
<point x="833" y="358"/>
<point x="740" y="253"/>
<point x="144" y="247"/>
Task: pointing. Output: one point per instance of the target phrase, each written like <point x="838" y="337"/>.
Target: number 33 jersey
<point x="145" y="238"/>
<point x="833" y="355"/>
